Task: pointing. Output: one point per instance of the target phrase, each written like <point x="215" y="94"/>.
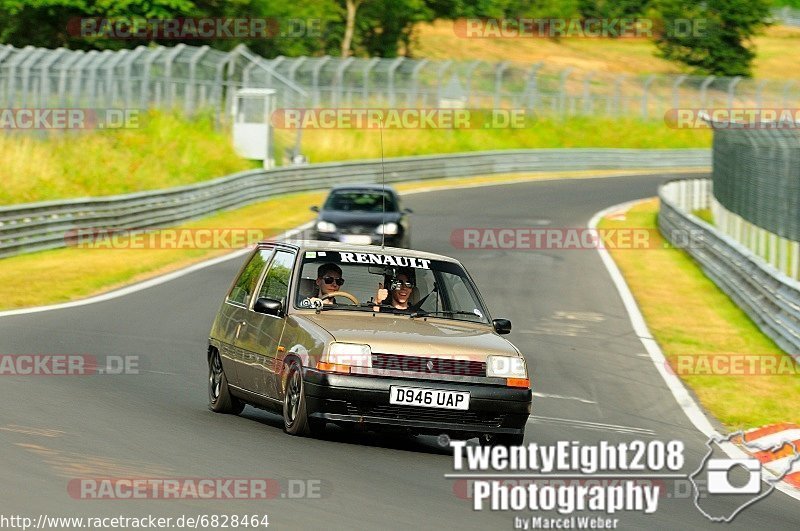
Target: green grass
<point x="690" y="316"/>
<point x="26" y="280"/>
<point x="166" y="150"/>
<point x="574" y="132"/>
<point x="170" y="151"/>
<point x="705" y="214"/>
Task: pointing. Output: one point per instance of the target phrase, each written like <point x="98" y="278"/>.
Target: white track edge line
<point x="685" y="400"/>
<point x="155" y="281"/>
<point x="146" y="284"/>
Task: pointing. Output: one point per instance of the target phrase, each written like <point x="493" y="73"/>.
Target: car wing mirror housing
<point x="502" y="326"/>
<point x="268" y="306"/>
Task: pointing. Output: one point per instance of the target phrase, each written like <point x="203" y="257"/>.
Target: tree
<point x="610" y="9"/>
<point x="53" y="23"/>
<point x="351" y="7"/>
<point x="713" y="37"/>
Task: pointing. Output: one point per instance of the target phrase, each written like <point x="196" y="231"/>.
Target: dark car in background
<point x="365" y="214"/>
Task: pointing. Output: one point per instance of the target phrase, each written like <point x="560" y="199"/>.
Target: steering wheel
<point x="344" y="294"/>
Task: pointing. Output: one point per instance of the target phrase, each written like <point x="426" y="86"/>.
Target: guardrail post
<point x="773" y="250"/>
<point x="783" y="255"/>
<point x="795" y="260"/>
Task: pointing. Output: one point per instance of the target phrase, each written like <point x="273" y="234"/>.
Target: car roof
<point x="314" y="245"/>
<point x="365" y="186"/>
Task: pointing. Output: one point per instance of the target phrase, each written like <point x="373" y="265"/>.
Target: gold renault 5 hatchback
<point x="376" y="337"/>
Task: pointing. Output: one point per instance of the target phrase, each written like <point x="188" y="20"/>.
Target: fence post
<point x="731" y="89"/>
<point x="704" y="90"/>
<point x="645" y="94"/>
<point x="676" y="97"/>
<point x="498" y="82"/>
<point x="562" y="90"/>
<point x="587" y="93"/>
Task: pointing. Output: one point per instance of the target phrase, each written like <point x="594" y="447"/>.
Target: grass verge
<point x="166" y="150"/>
<point x="321" y="145"/>
<point x="26" y="280"/>
<point x="689" y="316"/>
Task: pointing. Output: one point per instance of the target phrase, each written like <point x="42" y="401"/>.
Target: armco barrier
<point x="37" y="226"/>
<point x="769" y="297"/>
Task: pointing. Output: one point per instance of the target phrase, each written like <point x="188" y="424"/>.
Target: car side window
<point x="247" y="281"/>
<point x="276" y="283"/>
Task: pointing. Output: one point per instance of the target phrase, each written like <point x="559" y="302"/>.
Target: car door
<point x="233" y="314"/>
<point x="260" y="338"/>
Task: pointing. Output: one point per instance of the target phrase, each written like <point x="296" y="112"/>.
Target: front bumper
<point x="375" y="239"/>
<point x="364" y="400"/>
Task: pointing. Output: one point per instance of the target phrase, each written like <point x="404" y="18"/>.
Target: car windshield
<point x="415" y="287"/>
<point x="360" y="201"/>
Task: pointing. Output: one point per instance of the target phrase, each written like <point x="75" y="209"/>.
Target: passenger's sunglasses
<point x="331" y="280"/>
<point x="397" y="284"/>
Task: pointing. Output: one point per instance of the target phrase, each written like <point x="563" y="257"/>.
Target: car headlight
<point x="512" y="368"/>
<point x="325" y="226"/>
<point x="389" y="229"/>
<point x="342" y="356"/>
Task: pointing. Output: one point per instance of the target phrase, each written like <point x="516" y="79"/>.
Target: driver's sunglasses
<point x="397" y="284"/>
<point x="331" y="280"/>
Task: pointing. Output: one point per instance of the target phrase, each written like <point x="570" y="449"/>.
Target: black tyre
<point x="220" y="399"/>
<point x="502" y="439"/>
<point x="295" y="415"/>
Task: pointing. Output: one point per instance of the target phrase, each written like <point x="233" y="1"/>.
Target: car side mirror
<point x="315" y="208"/>
<point x="502" y="326"/>
<point x="408" y="211"/>
<point x="268" y="306"/>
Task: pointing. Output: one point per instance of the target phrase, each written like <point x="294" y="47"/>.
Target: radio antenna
<point x="383" y="189"/>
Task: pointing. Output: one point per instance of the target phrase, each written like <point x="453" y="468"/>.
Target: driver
<point x="329" y="280"/>
<point x="400" y="286"/>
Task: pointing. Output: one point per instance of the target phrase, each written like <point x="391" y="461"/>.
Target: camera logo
<point x="720" y="482"/>
<point x="731" y="484"/>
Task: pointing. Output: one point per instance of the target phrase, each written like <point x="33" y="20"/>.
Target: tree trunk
<point x="350" y="24"/>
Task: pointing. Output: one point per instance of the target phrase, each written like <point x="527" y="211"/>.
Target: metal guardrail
<point x="769" y="297"/>
<point x="37" y="226"/>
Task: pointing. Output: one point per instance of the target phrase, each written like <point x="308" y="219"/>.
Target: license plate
<point x="356" y="239"/>
<point x="438" y="398"/>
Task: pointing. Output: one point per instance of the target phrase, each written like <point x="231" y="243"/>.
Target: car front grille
<point x="356" y="229"/>
<point x="426" y="414"/>
<point x="395" y="362"/>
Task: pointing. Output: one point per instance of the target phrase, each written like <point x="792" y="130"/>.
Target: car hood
<point x="358" y="218"/>
<point x="434" y="338"/>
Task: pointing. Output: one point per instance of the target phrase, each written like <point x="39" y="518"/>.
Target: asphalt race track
<point x="594" y="378"/>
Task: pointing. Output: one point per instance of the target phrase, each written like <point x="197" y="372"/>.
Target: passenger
<point x="401" y="287"/>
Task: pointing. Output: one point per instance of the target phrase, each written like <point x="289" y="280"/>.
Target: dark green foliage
<point x="718" y="39"/>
